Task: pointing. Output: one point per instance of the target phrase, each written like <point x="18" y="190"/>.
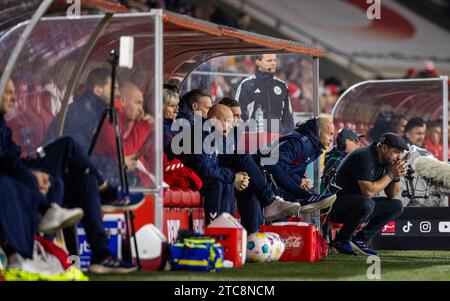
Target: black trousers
<point x="65" y="159"/>
<point x="353" y="209"/>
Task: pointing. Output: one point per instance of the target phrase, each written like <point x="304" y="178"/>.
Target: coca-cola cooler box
<point x="299" y="240"/>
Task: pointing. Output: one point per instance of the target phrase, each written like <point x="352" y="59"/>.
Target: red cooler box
<point x="300" y="241"/>
<point x="231" y="241"/>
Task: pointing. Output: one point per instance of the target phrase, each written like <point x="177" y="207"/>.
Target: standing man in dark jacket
<point x="296" y="151"/>
<point x="267" y="91"/>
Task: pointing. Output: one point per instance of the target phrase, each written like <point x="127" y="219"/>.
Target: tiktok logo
<point x="407" y="227"/>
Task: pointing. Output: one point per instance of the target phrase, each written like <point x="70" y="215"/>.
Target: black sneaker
<point x="113" y="199"/>
<point x="112" y="265"/>
<point x="361" y="247"/>
<point x="344" y="247"/>
<point x="316" y="202"/>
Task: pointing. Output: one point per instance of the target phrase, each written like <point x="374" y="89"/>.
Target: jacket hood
<point x="310" y="128"/>
<point x="185" y="112"/>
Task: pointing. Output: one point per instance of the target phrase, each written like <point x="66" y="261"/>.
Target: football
<point x="276" y="246"/>
<point x="258" y="247"/>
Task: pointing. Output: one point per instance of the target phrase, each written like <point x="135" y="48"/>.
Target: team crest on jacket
<point x="277" y="90"/>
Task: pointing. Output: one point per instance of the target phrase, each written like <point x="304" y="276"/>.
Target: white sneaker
<point x="280" y="208"/>
<point x="16" y="261"/>
<point x="57" y="217"/>
<point x="39" y="264"/>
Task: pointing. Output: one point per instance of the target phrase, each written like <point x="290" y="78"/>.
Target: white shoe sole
<point x="325" y="203"/>
<point x="100" y="269"/>
<point x="112" y="209"/>
<point x="70" y="221"/>
<point x="359" y="250"/>
<point x="287" y="212"/>
<point x="73" y="220"/>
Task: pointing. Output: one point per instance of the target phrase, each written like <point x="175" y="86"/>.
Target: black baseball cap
<point x="394" y="140"/>
<point x="347" y="133"/>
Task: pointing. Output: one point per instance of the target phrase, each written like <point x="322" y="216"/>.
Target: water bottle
<point x="315" y="221"/>
<point x="259" y="117"/>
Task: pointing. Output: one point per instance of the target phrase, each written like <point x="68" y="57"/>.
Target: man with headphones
<point x="361" y="176"/>
<point x="346" y="141"/>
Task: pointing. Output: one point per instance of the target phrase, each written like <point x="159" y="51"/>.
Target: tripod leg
<point x="126" y="251"/>
<point x="97" y="132"/>
<point x="133" y="233"/>
<point x="120" y="155"/>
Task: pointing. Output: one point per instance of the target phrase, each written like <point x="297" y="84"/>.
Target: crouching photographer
<point x="362" y="175"/>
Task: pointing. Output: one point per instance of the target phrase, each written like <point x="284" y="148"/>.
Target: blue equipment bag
<point x="196" y="254"/>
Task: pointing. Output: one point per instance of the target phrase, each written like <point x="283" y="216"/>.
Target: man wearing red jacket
<point x="135" y="128"/>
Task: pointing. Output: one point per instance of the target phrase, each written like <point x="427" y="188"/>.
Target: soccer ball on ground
<point x="276" y="246"/>
<point x="258" y="247"/>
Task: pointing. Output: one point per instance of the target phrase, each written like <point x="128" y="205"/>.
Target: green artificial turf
<point x="395" y="265"/>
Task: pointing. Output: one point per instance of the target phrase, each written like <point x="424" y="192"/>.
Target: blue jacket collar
<point x="185" y="112"/>
<point x="310" y="128"/>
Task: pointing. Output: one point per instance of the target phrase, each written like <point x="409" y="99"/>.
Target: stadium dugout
<point x="50" y="57"/>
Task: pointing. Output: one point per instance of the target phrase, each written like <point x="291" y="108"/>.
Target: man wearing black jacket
<point x="267" y="91"/>
<point x="362" y="176"/>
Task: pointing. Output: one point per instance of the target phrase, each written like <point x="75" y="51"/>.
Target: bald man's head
<point x="132" y="100"/>
<point x="223" y="114"/>
<point x="326" y="131"/>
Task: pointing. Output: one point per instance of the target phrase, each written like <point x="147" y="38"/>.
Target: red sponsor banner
<point x="388" y="229"/>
